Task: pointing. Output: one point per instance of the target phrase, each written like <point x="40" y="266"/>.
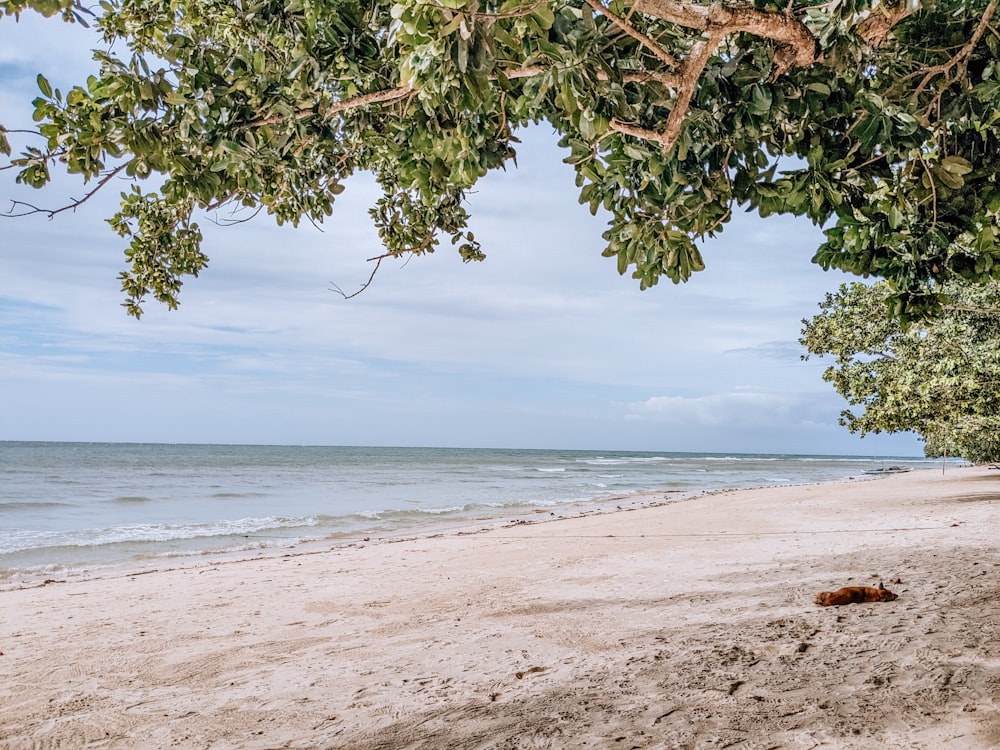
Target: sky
<point x="543" y="345"/>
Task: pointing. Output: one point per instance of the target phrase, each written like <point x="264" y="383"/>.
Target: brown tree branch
<point x="665" y="57"/>
<point x="377" y="97"/>
<point x="220" y="202"/>
<point x="53" y="212"/>
<point x="795" y="47"/>
<point x="401" y="92"/>
<point x="641" y="133"/>
<point x="779" y="26"/>
<point x="244" y="220"/>
<point x="685" y="83"/>
<point x="961" y="58"/>
<point x="362" y="100"/>
<point x="671" y="80"/>
<point x="970" y="309"/>
<point x="524" y="10"/>
<point x="874" y="30"/>
<point x="796" y="44"/>
<point x="694" y="64"/>
<point x="378" y="262"/>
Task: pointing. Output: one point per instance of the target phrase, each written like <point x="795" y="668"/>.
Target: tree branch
<point x="234" y="222"/>
<point x="694" y="64"/>
<point x="970" y="309"/>
<point x="796" y="44"/>
<point x="641" y="133"/>
<point x="796" y="47"/>
<point x="665" y="57"/>
<point x="524" y="10"/>
<point x="338" y="290"/>
<point x="377" y="97"/>
<point x="874" y="30"/>
<point x="69" y="207"/>
<point x="671" y="80"/>
<point x="961" y="58"/>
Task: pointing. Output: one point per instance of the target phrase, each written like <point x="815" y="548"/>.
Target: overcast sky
<point x="541" y="346"/>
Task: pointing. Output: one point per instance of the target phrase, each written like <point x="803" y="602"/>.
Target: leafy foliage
<point x="70" y="10"/>
<point x="875" y="119"/>
<point x="940" y="379"/>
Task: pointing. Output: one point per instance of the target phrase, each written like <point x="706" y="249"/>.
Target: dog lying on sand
<point x="855" y="595"/>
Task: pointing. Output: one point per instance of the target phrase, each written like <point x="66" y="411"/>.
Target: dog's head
<point x="884" y="595"/>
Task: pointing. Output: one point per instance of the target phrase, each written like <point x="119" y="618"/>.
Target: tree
<point x="940" y="379"/>
<point x="876" y="119"/>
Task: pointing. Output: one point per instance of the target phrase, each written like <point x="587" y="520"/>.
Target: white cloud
<point x="738" y="408"/>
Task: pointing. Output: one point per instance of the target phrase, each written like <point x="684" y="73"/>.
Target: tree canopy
<point x="876" y="119"/>
<point x="940" y="378"/>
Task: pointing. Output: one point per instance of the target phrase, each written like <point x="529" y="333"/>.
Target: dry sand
<point x="686" y="625"/>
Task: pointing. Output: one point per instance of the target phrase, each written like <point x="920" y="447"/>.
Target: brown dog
<point x="855" y="595"/>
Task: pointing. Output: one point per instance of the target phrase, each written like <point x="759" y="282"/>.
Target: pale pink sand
<point x="687" y="625"/>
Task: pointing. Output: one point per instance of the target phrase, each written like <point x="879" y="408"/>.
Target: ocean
<point x="67" y="506"/>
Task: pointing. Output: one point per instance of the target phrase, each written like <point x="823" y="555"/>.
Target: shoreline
<point x="15" y="578"/>
<point x="78" y="506"/>
<point x="671" y="624"/>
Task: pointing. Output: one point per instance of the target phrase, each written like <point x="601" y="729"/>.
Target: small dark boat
<point x="889" y="470"/>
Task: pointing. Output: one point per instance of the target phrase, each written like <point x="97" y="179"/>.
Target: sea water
<point x="67" y="505"/>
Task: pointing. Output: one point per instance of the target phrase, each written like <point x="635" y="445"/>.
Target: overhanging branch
<point x="665" y="57"/>
<point x="795" y="47"/>
<point x="53" y="212"/>
<point x="796" y="44"/>
<point x="960" y="61"/>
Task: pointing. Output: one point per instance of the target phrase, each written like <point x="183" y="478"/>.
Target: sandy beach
<point x="672" y="625"/>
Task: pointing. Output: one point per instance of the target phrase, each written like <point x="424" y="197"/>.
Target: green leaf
<point x="543" y="15"/>
<point x="956" y="165"/>
<point x="44" y="86"/>
<point x="950" y="179"/>
<point x="760" y="99"/>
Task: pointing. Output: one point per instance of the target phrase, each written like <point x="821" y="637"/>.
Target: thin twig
<point x="234" y="222"/>
<point x="524" y="10"/>
<point x="930" y="177"/>
<point x="376" y="97"/>
<point x="26" y="132"/>
<point x="960" y="59"/>
<point x="627" y="27"/>
<point x="220" y="202"/>
<point x="338" y="290"/>
<point x="70" y="207"/>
